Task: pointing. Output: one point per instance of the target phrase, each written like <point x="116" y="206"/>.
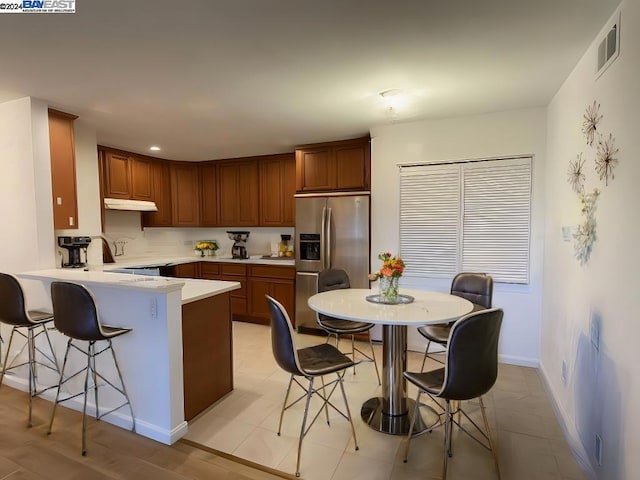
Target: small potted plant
<point x="207" y="247"/>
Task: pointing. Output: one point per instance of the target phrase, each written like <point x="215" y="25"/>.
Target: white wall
<point x="25" y="187"/>
<point x="602" y="391"/>
<point x="495" y="135"/>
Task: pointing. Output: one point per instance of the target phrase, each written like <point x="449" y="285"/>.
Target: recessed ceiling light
<point x="155" y="148"/>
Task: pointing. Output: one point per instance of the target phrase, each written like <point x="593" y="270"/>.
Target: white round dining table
<point x="391" y="413"/>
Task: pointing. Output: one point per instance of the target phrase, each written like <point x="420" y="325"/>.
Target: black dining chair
<point x="470" y="370"/>
<point x="13" y="312"/>
<point x="76" y="316"/>
<point x="475" y="287"/>
<point x="335" y="279"/>
<point x="310" y="363"/>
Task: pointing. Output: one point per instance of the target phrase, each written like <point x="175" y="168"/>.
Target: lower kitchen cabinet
<point x="207" y="352"/>
<point x="276" y="281"/>
<point x="187" y="270"/>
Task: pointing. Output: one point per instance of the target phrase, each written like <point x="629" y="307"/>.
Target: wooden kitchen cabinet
<point x="234" y="272"/>
<point x="335" y="166"/>
<point x="209" y="194"/>
<point x="207" y="352"/>
<point x="185" y="194"/>
<point x="126" y="176"/>
<point x="187" y="270"/>
<point x="161" y="196"/>
<point x="277" y="190"/>
<point x="277" y="281"/>
<point x="238" y="193"/>
<point x="63" y="170"/>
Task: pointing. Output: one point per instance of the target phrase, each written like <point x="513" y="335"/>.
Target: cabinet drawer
<point x="209" y="268"/>
<point x="233" y="269"/>
<point x="238" y="305"/>
<point x="242" y="291"/>
<point x="272" y="271"/>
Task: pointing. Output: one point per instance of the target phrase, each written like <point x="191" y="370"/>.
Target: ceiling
<point x="209" y="79"/>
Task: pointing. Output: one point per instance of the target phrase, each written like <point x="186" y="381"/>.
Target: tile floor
<point x="530" y="442"/>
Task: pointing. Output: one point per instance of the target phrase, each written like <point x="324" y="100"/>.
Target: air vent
<point x="609" y="46"/>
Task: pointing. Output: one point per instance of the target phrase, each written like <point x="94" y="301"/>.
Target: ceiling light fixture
<point x="155" y="148"/>
<point x="393" y="98"/>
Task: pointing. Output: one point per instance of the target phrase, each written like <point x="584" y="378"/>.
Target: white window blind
<point x="472" y="216"/>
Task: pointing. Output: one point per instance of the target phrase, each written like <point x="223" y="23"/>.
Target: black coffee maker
<point x="239" y="249"/>
<point x="74" y="245"/>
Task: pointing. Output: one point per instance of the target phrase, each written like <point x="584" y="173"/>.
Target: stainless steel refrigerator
<point x="332" y="231"/>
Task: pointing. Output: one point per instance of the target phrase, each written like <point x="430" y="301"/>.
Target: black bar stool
<point x="13" y="312"/>
<point x="76" y="316"/>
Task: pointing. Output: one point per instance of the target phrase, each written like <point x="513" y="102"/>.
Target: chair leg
<point x="326" y="407"/>
<point x="124" y="388"/>
<point x="413" y="421"/>
<point x="346" y="405"/>
<point x="304" y="424"/>
<point x="94" y="378"/>
<point x="424" y="359"/>
<point x="447" y="438"/>
<point x="84" y="403"/>
<point x="55" y="402"/>
<point x="32" y="371"/>
<point x="491" y="445"/>
<point x="373" y="355"/>
<point x="6" y="356"/>
<point x="284" y="404"/>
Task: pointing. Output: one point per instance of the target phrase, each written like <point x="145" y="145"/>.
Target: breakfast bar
<point x="174" y="323"/>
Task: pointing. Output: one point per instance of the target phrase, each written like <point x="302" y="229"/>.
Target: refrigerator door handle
<point x="329" y="260"/>
<point x="323" y="240"/>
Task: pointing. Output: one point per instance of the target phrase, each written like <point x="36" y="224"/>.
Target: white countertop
<point x="146" y="260"/>
<point x="427" y="308"/>
<point x="192" y="290"/>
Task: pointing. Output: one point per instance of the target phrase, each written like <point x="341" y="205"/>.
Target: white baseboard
<point x="519" y="361"/>
<point x="568" y="428"/>
<point x="119" y="419"/>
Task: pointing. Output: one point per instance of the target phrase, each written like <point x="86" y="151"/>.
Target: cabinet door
<point x="141" y="179"/>
<point x="315" y="170"/>
<point x="161" y="183"/>
<point x="247" y="194"/>
<point x="228" y="191"/>
<point x="185" y="195"/>
<point x="209" y="199"/>
<point x="277" y="188"/>
<point x="117" y="176"/>
<point x="352" y="167"/>
<point x="281" y="290"/>
<point x="187" y="270"/>
<point x="63" y="170"/>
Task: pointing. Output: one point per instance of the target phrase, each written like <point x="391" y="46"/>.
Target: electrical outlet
<point x="564" y="373"/>
<point x="594" y="329"/>
<point x="154" y="308"/>
<point x="598" y="450"/>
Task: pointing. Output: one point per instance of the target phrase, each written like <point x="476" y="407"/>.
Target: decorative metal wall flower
<point x="606" y="158"/>
<point x="576" y="174"/>
<point x="591" y="119"/>
<point x="585" y="235"/>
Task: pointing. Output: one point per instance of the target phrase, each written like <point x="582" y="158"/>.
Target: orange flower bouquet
<point x="389" y="275"/>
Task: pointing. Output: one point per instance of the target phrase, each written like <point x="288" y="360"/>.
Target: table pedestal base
<point x="372" y="414"/>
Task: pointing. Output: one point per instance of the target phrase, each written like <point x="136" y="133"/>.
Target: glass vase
<point x="389" y="289"/>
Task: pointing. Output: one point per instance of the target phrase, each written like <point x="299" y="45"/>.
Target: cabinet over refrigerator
<point x="332" y="231"/>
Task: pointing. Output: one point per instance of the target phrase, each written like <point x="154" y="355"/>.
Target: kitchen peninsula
<point x="175" y="362"/>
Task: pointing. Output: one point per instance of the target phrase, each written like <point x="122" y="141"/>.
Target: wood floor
<point x="30" y="454"/>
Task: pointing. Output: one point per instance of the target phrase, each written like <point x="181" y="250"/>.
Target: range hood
<point x="130" y="205"/>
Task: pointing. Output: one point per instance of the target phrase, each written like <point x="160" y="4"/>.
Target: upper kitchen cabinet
<point x="209" y="194"/>
<point x="127" y="177"/>
<point x="335" y="166"/>
<point x="160" y="195"/>
<point x="238" y="193"/>
<point x="63" y="170"/>
<point x="185" y="194"/>
<point x="277" y="188"/>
